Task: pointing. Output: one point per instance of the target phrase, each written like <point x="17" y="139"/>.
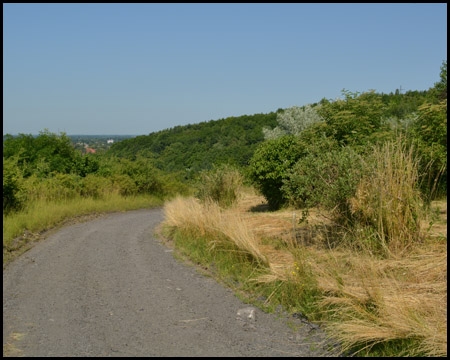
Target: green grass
<point x="42" y="215"/>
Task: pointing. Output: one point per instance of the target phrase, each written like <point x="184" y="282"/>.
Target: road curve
<point x="108" y="287"/>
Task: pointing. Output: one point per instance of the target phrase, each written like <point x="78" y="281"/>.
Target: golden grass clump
<point x="189" y="214"/>
<point x="388" y="199"/>
<point x="208" y="218"/>
<point x="382" y="300"/>
<point x="237" y="230"/>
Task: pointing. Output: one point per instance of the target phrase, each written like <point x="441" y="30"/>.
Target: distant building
<point x="110" y="141"/>
<point x="89" y="150"/>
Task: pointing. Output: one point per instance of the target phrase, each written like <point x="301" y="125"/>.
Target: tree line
<point x="273" y="150"/>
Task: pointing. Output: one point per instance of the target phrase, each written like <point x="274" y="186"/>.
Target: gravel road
<point x="108" y="287"/>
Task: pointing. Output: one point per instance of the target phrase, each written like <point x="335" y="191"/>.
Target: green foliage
<point x="144" y="175"/>
<point x="86" y="164"/>
<point x="293" y="121"/>
<point x="95" y="186"/>
<point x="220" y="184"/>
<point x="124" y="184"/>
<point x="354" y="120"/>
<point x="270" y="166"/>
<point x="195" y="147"/>
<point x="400" y="105"/>
<point x="431" y="125"/>
<point x="439" y="91"/>
<point x="429" y="136"/>
<point x="62" y="186"/>
<point x="47" y="168"/>
<point x="327" y="176"/>
<point x="12" y="185"/>
<point x="47" y="153"/>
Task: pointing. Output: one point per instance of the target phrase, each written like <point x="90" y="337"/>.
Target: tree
<point x="269" y="167"/>
<point x="355" y="119"/>
<point x="46" y="153"/>
<point x="441" y="86"/>
<point x="292" y="121"/>
<point x="12" y="185"/>
<point x="428" y="133"/>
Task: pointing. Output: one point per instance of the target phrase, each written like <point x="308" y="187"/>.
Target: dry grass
<point x="207" y="218"/>
<point x="375" y="300"/>
<point x="387" y="198"/>
<point x="381" y="300"/>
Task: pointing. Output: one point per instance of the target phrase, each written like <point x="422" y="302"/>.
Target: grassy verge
<point x="22" y="229"/>
<point x="373" y="305"/>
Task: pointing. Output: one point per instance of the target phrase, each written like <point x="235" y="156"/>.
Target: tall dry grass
<point x="377" y="301"/>
<point x="207" y="218"/>
<point x="388" y="200"/>
<point x="365" y="300"/>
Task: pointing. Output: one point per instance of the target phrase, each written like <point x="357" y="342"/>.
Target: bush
<point x="95" y="186"/>
<point x="143" y="177"/>
<point x="124" y="184"/>
<point x="43" y="154"/>
<point x="13" y="197"/>
<point x="327" y="176"/>
<point x="62" y="186"/>
<point x="222" y="185"/>
<point x="429" y="136"/>
<point x="293" y="121"/>
<point x="354" y="120"/>
<point x="270" y="166"/>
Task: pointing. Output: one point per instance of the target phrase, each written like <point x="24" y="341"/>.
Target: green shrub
<point x="355" y="119"/>
<point x="146" y="178"/>
<point x="327" y="176"/>
<point x="428" y="134"/>
<point x="221" y="185"/>
<point x="124" y="184"/>
<point x="63" y="186"/>
<point x="86" y="164"/>
<point x="270" y="166"/>
<point x="43" y="154"/>
<point x="13" y="196"/>
<point x="96" y="186"/>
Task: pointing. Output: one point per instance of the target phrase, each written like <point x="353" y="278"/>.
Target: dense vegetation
<point x="373" y="161"/>
<point x="371" y="272"/>
<point x="191" y="148"/>
<point x="48" y="166"/>
<point x="337" y="140"/>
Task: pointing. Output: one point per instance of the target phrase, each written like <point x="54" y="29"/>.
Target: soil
<point x="110" y="287"/>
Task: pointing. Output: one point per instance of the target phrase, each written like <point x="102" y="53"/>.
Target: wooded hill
<point x="233" y="140"/>
<point x="194" y="147"/>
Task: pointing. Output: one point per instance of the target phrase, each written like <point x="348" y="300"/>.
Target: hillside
<point x="195" y="147"/>
<point x="233" y="140"/>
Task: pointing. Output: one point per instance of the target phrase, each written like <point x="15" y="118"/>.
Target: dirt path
<point x="109" y="288"/>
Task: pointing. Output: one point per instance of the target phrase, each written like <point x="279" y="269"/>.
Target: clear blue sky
<point x="133" y="69"/>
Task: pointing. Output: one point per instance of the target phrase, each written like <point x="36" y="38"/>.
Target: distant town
<point x="96" y="143"/>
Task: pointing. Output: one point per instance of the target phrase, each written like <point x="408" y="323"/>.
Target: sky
<point x="135" y="69"/>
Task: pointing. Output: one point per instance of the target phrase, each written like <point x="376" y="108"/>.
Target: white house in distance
<point x="110" y="141"/>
